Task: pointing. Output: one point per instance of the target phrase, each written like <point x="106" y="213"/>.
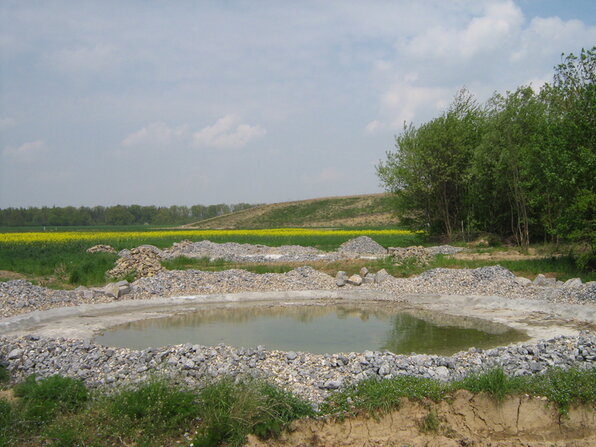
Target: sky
<point x="200" y="102"/>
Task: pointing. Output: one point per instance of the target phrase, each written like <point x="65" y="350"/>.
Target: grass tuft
<point x="430" y="423"/>
<point x="230" y="411"/>
<point x="42" y="400"/>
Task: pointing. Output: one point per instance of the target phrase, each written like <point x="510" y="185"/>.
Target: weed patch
<point x="430" y="423"/>
<point x="230" y="411"/>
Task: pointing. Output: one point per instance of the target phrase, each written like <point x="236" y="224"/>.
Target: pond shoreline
<point x="29" y="350"/>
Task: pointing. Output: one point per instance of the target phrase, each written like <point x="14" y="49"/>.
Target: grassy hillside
<point x="370" y="210"/>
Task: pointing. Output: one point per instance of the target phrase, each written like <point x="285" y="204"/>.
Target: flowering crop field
<point x="280" y="234"/>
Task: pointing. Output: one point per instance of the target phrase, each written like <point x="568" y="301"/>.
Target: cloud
<point x="155" y="134"/>
<point x="543" y="34"/>
<point x="7" y="123"/>
<point x="404" y="101"/>
<point x="26" y="152"/>
<point x="227" y="132"/>
<point x="499" y="24"/>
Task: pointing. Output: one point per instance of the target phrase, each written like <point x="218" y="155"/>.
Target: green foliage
<point x="113" y="215"/>
<point x="230" y="411"/>
<point x="522" y="166"/>
<point x="428" y="170"/>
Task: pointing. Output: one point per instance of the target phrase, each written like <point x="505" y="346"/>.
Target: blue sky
<point x="156" y="102"/>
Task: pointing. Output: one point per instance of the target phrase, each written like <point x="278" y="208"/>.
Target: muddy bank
<point x="464" y="420"/>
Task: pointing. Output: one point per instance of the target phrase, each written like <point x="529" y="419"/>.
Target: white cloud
<point x="155" y="134"/>
<point x="26" y="152"/>
<point x="404" y="101"/>
<point x="499" y="24"/>
<point x="227" y="132"/>
<point x="7" y="123"/>
<point x="544" y="34"/>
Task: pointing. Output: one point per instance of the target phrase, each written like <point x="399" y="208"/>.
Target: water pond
<point x="316" y="328"/>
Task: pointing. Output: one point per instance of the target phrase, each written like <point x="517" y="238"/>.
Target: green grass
<point x="430" y="423"/>
<point x="377" y="397"/>
<point x="68" y="263"/>
<point x="296" y="214"/>
<point x="231" y="411"/>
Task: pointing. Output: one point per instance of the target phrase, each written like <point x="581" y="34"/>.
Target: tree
<point x="428" y="171"/>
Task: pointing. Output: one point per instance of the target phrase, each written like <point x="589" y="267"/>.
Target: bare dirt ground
<point x="464" y="420"/>
<point x="8" y="275"/>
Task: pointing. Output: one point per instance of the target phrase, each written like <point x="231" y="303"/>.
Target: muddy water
<point x="316" y="329"/>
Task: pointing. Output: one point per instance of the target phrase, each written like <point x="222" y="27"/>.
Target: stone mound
<point x="362" y="245"/>
<point x="101" y="249"/>
<point x="421" y="255"/>
<point x="142" y="261"/>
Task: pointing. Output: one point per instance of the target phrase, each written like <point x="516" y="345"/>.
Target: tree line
<point x="114" y="215"/>
<point x="522" y="165"/>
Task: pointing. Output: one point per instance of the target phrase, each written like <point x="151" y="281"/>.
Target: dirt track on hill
<point x="464" y="420"/>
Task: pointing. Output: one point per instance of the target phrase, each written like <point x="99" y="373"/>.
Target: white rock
<point x="573" y="282"/>
<point x="355" y="280"/>
<point x="523" y="281"/>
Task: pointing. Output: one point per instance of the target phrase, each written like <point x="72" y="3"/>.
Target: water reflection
<point x="315" y="328"/>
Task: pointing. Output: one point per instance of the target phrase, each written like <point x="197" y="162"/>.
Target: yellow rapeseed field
<point x="68" y="236"/>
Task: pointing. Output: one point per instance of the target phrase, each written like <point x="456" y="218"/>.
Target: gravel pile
<point x="362" y="245"/>
<point x="309" y="375"/>
<point x="187" y="282"/>
<point x="20" y="296"/>
<point x="234" y="252"/>
<point x="444" y="250"/>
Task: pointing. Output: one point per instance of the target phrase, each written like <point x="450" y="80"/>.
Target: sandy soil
<point x="465" y="420"/>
